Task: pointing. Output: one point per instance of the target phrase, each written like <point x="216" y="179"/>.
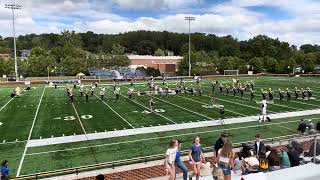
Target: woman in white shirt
<point x="170" y="158"/>
<point x="225" y="159"/>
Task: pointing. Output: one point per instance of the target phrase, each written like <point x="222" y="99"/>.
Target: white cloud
<point x="230" y="17"/>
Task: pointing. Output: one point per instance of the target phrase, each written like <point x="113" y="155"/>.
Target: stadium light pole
<point x="189" y="19"/>
<point x="14" y="7"/>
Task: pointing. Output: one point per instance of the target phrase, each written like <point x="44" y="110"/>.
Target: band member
<point x="81" y="91"/>
<point x="163" y="80"/>
<point x="270" y="92"/>
<point x="71" y="96"/>
<point x="234" y="90"/>
<point x="199" y="89"/>
<point x="55" y="85"/>
<point x="288" y="92"/>
<point x="251" y="83"/>
<point x="74" y="86"/>
<point x="263" y="94"/>
<point x="241" y="92"/>
<point x="213" y="101"/>
<point x="303" y="93"/>
<point x="28" y="87"/>
<point x="251" y="94"/>
<point x="117" y="92"/>
<point x="281" y="94"/>
<point x="91" y="91"/>
<point x="213" y="84"/>
<point x="227" y="89"/>
<point x="95" y="84"/>
<point x="167" y="90"/>
<point x="296" y="92"/>
<point x="221" y="87"/>
<point x="102" y="92"/>
<point x="87" y="94"/>
<point x="238" y="86"/>
<point x="114" y="85"/>
<point x="13" y="93"/>
<point x="130" y="90"/>
<point x="309" y="93"/>
<point x="151" y="103"/>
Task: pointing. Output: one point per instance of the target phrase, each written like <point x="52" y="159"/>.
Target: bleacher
<point x="115" y="73"/>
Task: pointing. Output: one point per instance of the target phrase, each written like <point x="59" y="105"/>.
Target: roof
<point x="148" y="57"/>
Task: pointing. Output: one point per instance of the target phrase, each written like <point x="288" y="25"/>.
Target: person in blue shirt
<point x="180" y="164"/>
<point x="4" y="170"/>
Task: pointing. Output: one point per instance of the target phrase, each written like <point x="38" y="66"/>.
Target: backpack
<point x="264" y="164"/>
<point x="268" y="119"/>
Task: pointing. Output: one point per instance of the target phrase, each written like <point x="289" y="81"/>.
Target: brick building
<point x="166" y="64"/>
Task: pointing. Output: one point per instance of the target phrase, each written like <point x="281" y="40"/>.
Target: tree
<point x="308" y="63"/>
<point x="159" y="52"/>
<point x="39" y="60"/>
<point x="270" y="64"/>
<point x="256" y="64"/>
<point x="117" y="49"/>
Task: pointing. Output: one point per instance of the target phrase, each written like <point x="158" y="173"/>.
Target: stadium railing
<point x="279" y="140"/>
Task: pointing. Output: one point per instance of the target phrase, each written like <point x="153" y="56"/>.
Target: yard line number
<point x="156" y="110"/>
<point x="72" y="118"/>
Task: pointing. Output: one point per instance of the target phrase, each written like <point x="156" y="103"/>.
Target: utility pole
<point x="14" y="7"/>
<point x="190" y="18"/>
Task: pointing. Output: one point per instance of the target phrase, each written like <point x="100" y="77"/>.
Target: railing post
<point x="112" y="165"/>
<point x="145" y="160"/>
<point x="36" y="176"/>
<point x="315" y="149"/>
<point x="76" y="171"/>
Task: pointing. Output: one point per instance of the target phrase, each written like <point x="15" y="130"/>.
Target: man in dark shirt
<point x="293" y="156"/>
<point x="219" y="143"/>
<point x="302" y="126"/>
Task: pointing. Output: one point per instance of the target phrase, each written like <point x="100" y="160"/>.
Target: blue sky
<point x="295" y="21"/>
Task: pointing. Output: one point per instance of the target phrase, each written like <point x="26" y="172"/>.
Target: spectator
<point x="273" y="160"/>
<point x="196" y="156"/>
<point x="268" y="150"/>
<point x="296" y="146"/>
<point x="179" y="164"/>
<point x="310" y="126"/>
<point x="263" y="162"/>
<point x="4" y="170"/>
<point x="283" y="157"/>
<point x="170" y="158"/>
<point x="302" y="126"/>
<point x="219" y="143"/>
<point x="318" y="126"/>
<point x="293" y="156"/>
<point x="100" y="177"/>
<point x="250" y="163"/>
<point x="238" y="162"/>
<point x="259" y="145"/>
<point x="225" y="159"/>
<point x="311" y="150"/>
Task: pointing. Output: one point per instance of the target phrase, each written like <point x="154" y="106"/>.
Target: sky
<point x="294" y="21"/>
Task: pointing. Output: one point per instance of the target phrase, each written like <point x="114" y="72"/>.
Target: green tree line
<point x="69" y="53"/>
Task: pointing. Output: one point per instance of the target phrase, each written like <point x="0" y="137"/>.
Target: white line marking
<point x="82" y="127"/>
<point x="29" y="137"/>
<point x="6" y="104"/>
<point x="148" y="108"/>
<point x="115" y="112"/>
<point x="209" y="104"/>
<point x="182" y="108"/>
<point x="286" y="128"/>
<point x="162" y="137"/>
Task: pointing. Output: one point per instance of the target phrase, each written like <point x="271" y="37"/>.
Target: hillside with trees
<point x="68" y="53"/>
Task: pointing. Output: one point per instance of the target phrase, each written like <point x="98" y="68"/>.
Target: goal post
<point x="231" y="72"/>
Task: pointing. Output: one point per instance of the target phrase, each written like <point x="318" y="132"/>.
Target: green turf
<point x="57" y="116"/>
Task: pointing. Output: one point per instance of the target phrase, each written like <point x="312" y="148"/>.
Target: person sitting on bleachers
<point x="297" y="147"/>
<point x="250" y="163"/>
<point x="318" y="126"/>
<point x="310" y="126"/>
<point x="273" y="160"/>
<point x="302" y="127"/>
<point x="293" y="156"/>
<point x="263" y="162"/>
<point x="283" y="157"/>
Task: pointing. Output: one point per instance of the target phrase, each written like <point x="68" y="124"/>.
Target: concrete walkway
<point x="163" y="128"/>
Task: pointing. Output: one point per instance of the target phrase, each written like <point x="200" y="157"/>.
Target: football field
<point x="42" y="130"/>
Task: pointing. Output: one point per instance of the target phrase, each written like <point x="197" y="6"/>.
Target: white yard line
<point x="82" y="127"/>
<point x="29" y="137"/>
<point x="149" y="109"/>
<point x="115" y="111"/>
<point x="6" y="104"/>
<point x="209" y="118"/>
<point x="286" y="128"/>
<point x="209" y="104"/>
<point x="163" y="137"/>
<point x="163" y="128"/>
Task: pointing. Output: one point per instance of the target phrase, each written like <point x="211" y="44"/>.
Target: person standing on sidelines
<point x="219" y="143"/>
<point x="259" y="145"/>
<point x="4" y="170"/>
<point x="196" y="156"/>
<point x="263" y="111"/>
<point x="170" y="158"/>
<point x="225" y="159"/>
<point x="180" y="164"/>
